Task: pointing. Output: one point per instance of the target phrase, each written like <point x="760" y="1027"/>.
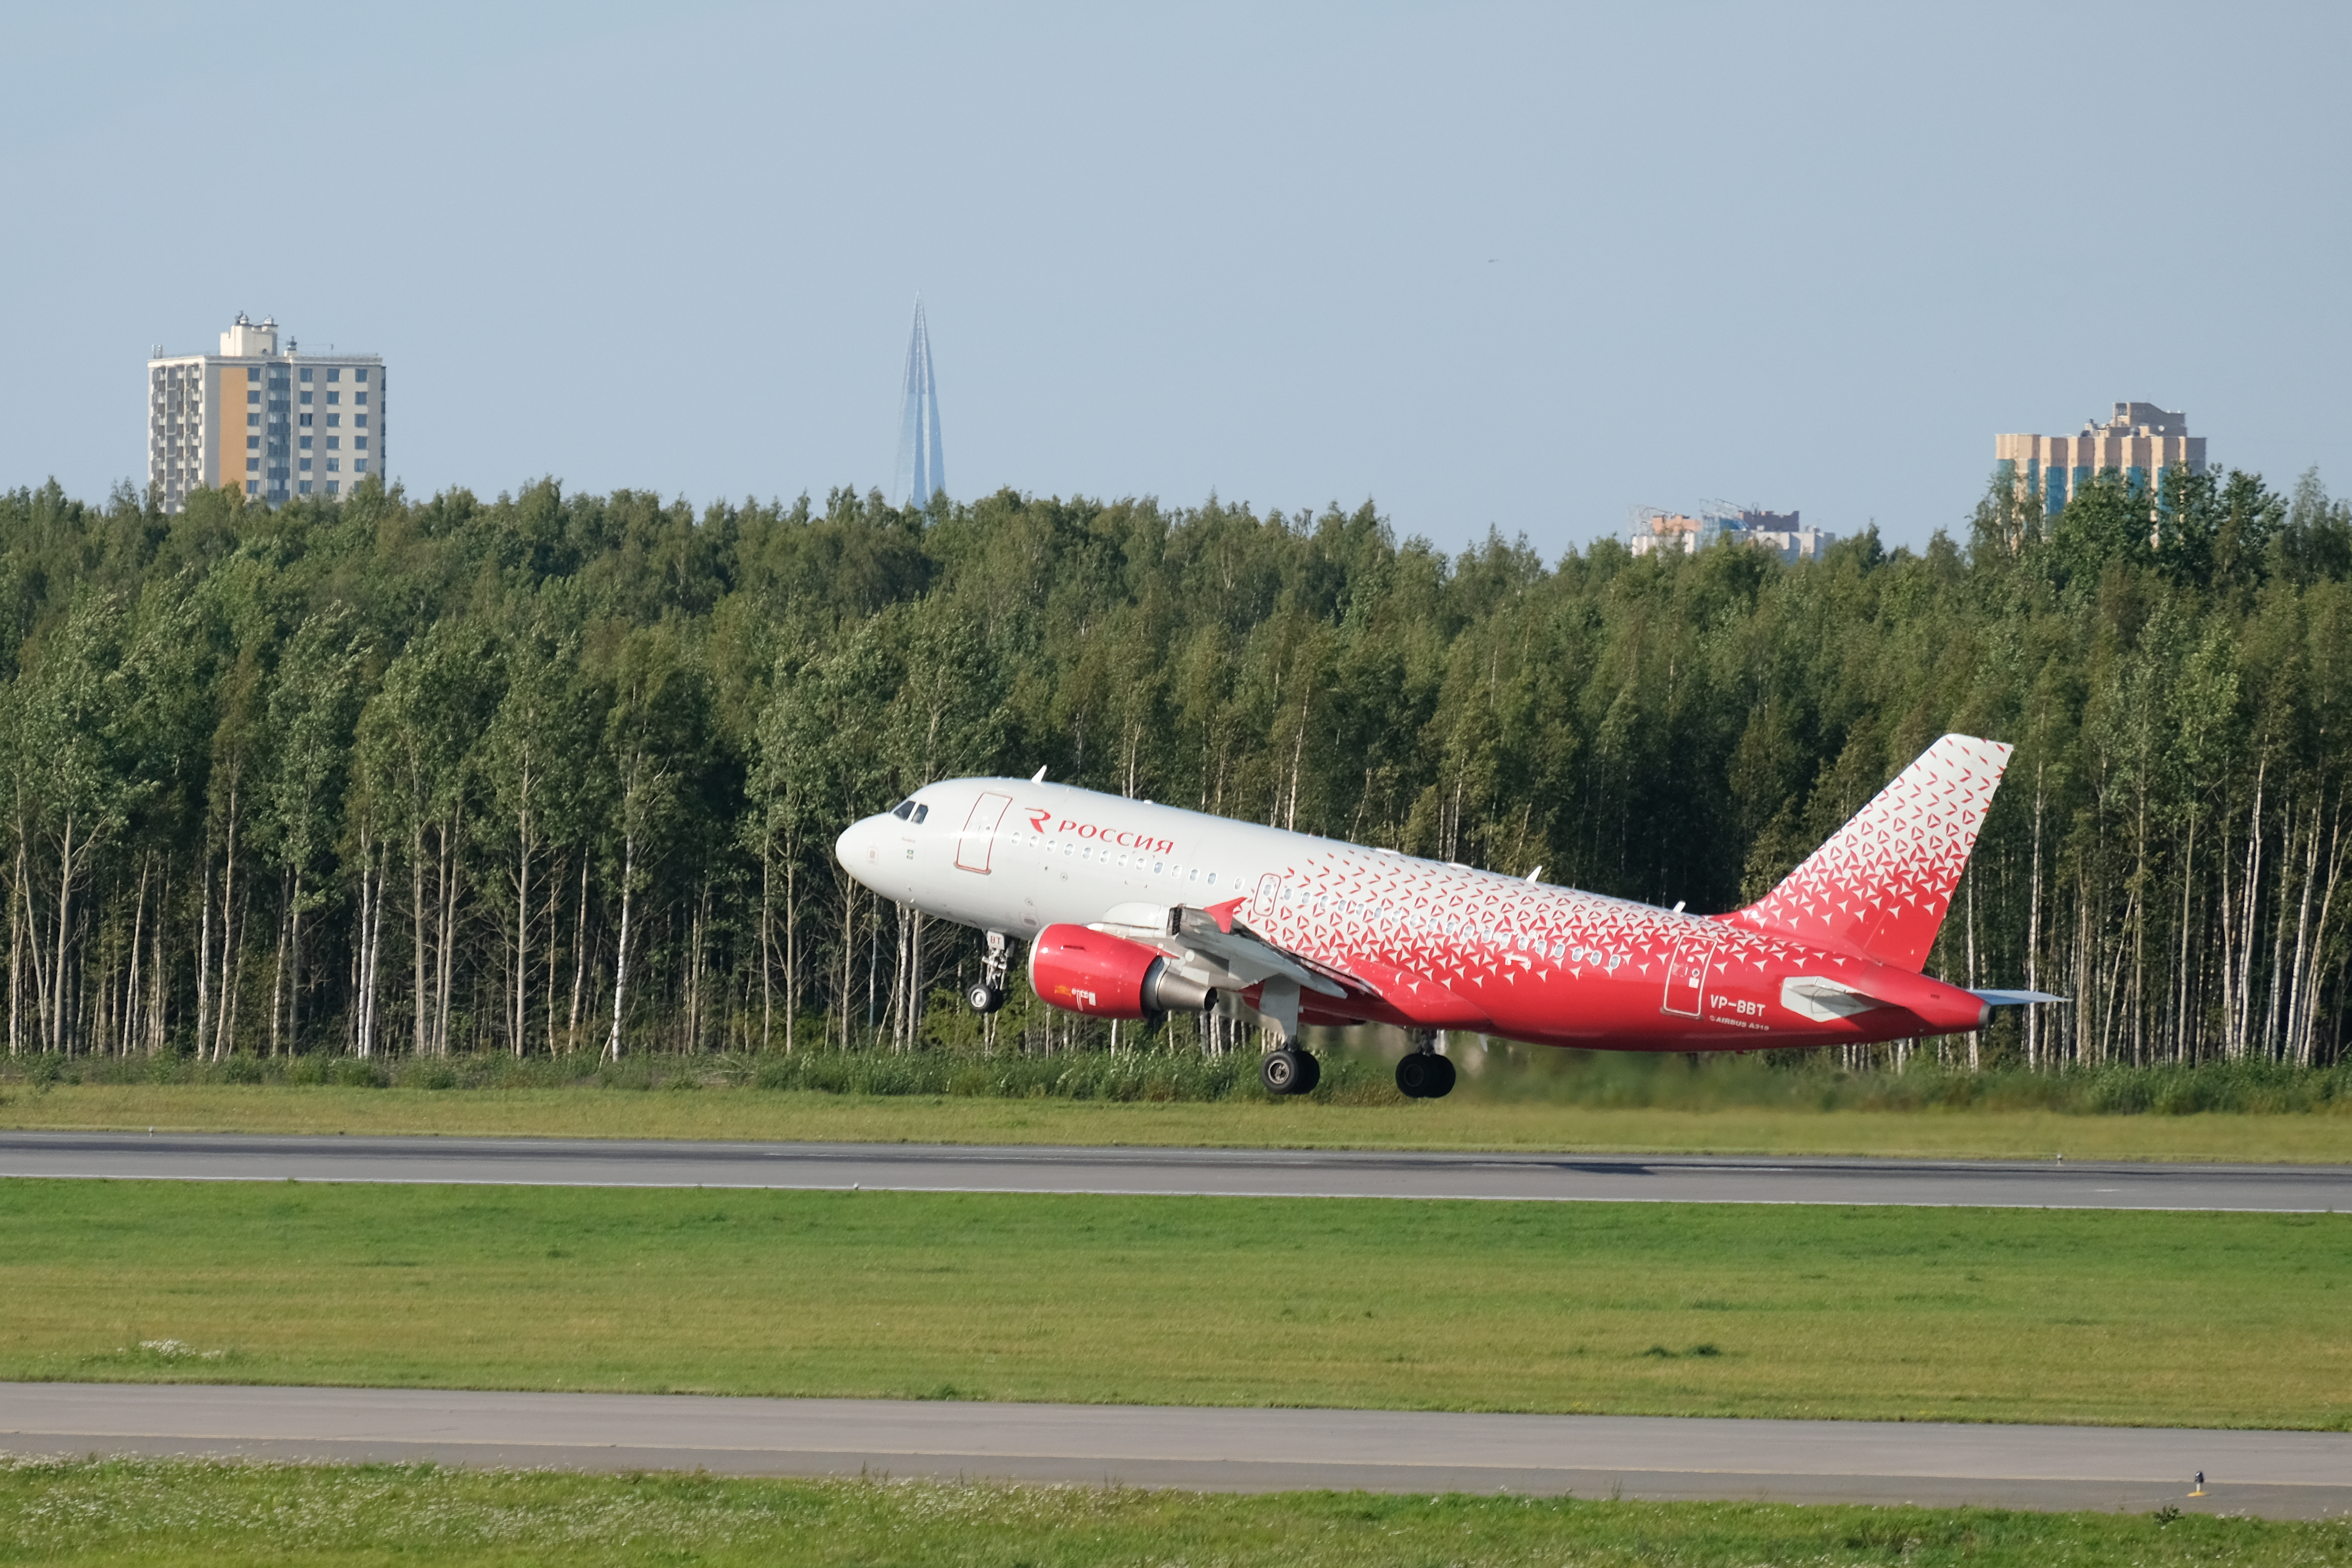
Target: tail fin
<point x="1880" y="886"/>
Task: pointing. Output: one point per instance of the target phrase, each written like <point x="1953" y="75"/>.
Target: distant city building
<point x="2139" y="442"/>
<point x="921" y="473"/>
<point x="1779" y="532"/>
<point x="281" y="425"/>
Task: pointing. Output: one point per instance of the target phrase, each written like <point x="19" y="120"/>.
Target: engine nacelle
<point x="1102" y="976"/>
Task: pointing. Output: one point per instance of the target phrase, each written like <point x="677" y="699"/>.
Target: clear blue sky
<point x="1520" y="266"/>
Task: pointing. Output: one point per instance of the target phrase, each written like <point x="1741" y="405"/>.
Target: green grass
<point x="1462" y="1121"/>
<point x="1511" y="1098"/>
<point x="1357" y="1069"/>
<point x="1996" y="1315"/>
<point x="164" y="1511"/>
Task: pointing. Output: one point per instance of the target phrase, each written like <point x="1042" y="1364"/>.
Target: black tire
<point x="1414" y="1075"/>
<point x="1310" y="1072"/>
<point x="1442" y="1084"/>
<point x="1280" y="1071"/>
<point x="984" y="997"/>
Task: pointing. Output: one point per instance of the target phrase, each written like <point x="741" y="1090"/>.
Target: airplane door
<point x="978" y="835"/>
<point x="1269" y="894"/>
<point x="1686" y="975"/>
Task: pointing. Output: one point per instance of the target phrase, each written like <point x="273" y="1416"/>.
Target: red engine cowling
<point x="1101" y="976"/>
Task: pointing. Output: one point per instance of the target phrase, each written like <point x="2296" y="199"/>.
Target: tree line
<point x="559" y="774"/>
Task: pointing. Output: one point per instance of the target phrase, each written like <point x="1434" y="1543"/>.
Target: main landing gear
<point x="1289" y="1071"/>
<point x="1422" y="1074"/>
<point x="987" y="995"/>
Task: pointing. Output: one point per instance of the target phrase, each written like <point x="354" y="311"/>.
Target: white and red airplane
<point x="1136" y="911"/>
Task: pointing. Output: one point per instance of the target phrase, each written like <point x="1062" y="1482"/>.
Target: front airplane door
<point x="978" y="835"/>
<point x="1686" y="975"/>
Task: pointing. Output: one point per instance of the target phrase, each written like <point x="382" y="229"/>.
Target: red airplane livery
<point x="1134" y="910"/>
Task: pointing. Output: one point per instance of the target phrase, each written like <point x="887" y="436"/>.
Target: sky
<point x="1511" y="267"/>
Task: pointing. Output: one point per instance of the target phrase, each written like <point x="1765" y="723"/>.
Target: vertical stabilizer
<point x="1880" y="886"/>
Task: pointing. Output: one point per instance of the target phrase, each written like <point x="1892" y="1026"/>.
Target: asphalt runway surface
<point x="1254" y="1172"/>
<point x="2284" y="1475"/>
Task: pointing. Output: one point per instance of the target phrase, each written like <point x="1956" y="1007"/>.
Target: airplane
<point x="1134" y="910"/>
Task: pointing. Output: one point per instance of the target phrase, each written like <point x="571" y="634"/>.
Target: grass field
<point x="2009" y="1315"/>
<point x="1464" y="1122"/>
<point x="142" y="1512"/>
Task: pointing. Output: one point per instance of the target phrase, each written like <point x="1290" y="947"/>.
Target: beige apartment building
<point x="278" y="424"/>
<point x="2141" y="441"/>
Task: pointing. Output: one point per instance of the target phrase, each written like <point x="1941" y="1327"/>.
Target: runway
<point x="2287" y="1475"/>
<point x="1254" y="1173"/>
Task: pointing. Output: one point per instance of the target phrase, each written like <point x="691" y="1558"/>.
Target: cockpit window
<point x="903" y="810"/>
<point x="921" y="812"/>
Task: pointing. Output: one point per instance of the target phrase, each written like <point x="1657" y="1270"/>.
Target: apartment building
<point x="2139" y="441"/>
<point x="1784" y="534"/>
<point x="277" y="424"/>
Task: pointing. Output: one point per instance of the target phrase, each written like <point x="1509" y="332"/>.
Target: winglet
<point x="1225" y="913"/>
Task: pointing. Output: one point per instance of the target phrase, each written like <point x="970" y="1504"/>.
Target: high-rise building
<point x="281" y="425"/>
<point x="921" y="472"/>
<point x="2141" y="441"/>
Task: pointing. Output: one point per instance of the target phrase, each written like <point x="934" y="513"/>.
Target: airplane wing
<point x="1216" y="947"/>
<point x="1219" y="938"/>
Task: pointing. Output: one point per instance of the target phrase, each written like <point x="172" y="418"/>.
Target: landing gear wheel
<point x="1414" y="1075"/>
<point x="984" y="997"/>
<point x="1444" y="1085"/>
<point x="1287" y="1071"/>
<point x="1424" y="1075"/>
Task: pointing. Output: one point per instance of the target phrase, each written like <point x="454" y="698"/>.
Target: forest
<point x="559" y="774"/>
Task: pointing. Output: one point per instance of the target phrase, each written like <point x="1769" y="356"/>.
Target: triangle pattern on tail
<point x="1879" y="888"/>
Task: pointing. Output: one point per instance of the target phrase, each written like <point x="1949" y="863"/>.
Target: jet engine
<point x="1082" y="971"/>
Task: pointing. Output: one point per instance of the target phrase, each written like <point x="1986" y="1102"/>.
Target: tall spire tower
<point x="921" y="473"/>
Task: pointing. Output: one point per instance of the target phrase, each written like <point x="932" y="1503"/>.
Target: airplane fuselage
<point x="1419" y="943"/>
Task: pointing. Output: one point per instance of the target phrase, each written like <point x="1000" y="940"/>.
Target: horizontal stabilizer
<point x="1823" y="1000"/>
<point x="2014" y="998"/>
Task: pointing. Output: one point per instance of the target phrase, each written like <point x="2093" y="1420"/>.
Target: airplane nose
<point x="850" y="848"/>
<point x="859" y="849"/>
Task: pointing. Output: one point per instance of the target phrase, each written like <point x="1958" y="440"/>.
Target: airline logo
<point x="1042" y="822"/>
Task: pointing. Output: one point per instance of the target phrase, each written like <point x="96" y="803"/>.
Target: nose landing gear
<point x="988" y="995"/>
